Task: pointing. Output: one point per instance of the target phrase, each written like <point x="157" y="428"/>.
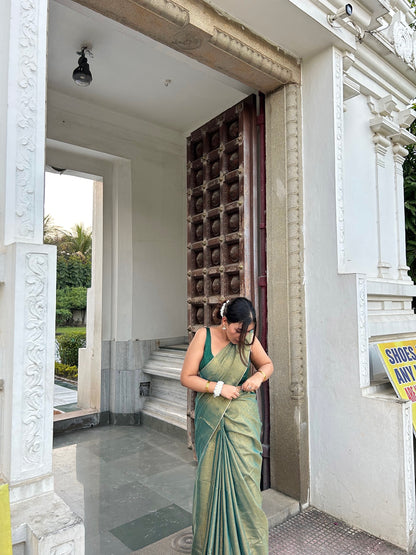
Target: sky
<point x="68" y="199"/>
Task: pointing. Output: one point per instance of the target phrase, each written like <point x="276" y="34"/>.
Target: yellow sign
<point x="399" y="359"/>
<point x="5" y="526"/>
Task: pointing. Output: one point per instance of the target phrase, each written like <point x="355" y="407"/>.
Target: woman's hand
<point x="252" y="383"/>
<point x="230" y="391"/>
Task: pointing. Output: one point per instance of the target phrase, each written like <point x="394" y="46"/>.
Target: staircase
<point x="168" y="398"/>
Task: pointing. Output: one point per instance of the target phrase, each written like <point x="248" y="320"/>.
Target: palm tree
<point x="51" y="233"/>
<point x="78" y="241"/>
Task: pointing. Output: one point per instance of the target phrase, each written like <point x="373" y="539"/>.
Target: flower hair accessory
<point x="222" y="309"/>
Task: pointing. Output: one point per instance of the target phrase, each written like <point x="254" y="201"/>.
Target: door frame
<point x="199" y="31"/>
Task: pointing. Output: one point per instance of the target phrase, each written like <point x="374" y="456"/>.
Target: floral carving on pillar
<point x="35" y="341"/>
<point x="363" y="331"/>
<point x="339" y="156"/>
<point x="25" y="126"/>
<point x="409" y="468"/>
<point x="295" y="248"/>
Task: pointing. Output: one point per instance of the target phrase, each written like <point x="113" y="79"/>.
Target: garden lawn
<point x="67" y="329"/>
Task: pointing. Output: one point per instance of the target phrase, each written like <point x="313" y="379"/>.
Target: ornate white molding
<point x="339" y="156"/>
<point x="363" y="332"/>
<point x="401" y="36"/>
<point x="384" y="106"/>
<point x="383" y="126"/>
<point x="381" y="145"/>
<point x="67" y="548"/>
<point x="409" y="479"/>
<point x="396" y="35"/>
<point x="295" y="241"/>
<point x="35" y="357"/>
<point x="169" y="10"/>
<point x="406" y="117"/>
<point x="26" y="125"/>
<point x="250" y="56"/>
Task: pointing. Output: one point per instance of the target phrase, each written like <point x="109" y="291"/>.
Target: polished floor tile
<point x="153" y="527"/>
<point x="130" y="484"/>
<point x="64" y="394"/>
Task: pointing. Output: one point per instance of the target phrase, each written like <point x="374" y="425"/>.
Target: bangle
<point x="264" y="375"/>
<point x="218" y="389"/>
<point x="207" y="385"/>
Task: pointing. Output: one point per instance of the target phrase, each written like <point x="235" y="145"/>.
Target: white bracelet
<point x="218" y="389"/>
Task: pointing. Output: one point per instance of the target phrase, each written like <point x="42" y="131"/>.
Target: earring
<point x="223" y="327"/>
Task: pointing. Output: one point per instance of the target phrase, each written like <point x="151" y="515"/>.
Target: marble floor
<point x="132" y="485"/>
<point x="65" y="396"/>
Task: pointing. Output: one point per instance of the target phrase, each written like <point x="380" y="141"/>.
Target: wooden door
<point x="222" y="209"/>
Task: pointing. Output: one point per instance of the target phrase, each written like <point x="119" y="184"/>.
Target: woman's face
<point x="233" y="331"/>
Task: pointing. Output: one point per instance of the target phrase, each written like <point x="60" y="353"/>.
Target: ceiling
<point x="133" y="74"/>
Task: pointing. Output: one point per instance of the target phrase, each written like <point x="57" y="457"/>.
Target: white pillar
<point x="386" y="201"/>
<point x="27" y="290"/>
<point x="356" y="424"/>
<point x="89" y="367"/>
<point x="399" y="155"/>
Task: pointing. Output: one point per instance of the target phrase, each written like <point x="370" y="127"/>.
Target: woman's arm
<point x="263" y="364"/>
<point x="193" y="357"/>
<point x="189" y="373"/>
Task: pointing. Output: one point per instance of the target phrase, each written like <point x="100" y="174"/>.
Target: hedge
<point x="66" y="371"/>
<point x="71" y="298"/>
<point x="68" y="345"/>
<point x="63" y="316"/>
<point x="71" y="271"/>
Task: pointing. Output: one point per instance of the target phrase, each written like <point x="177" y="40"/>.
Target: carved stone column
<point x="289" y="457"/>
<point x="27" y="293"/>
<point x="399" y="141"/>
<point x="389" y="138"/>
<point x="382" y="128"/>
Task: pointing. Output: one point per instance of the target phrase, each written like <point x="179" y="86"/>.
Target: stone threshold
<point x="75" y="420"/>
<point x="277" y="506"/>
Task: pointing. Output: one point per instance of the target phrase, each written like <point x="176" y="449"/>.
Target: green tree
<point x="409" y="175"/>
<point x="78" y="241"/>
<point x="51" y="232"/>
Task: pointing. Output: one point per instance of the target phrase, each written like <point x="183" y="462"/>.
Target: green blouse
<point x="207" y="356"/>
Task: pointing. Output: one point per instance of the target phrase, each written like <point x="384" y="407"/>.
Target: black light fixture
<point x="82" y="74"/>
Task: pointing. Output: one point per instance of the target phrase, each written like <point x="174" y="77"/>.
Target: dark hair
<point x="241" y="310"/>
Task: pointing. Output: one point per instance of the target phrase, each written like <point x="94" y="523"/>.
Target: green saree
<point x="227" y="514"/>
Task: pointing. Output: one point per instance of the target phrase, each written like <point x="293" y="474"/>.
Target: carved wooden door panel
<point x="222" y="206"/>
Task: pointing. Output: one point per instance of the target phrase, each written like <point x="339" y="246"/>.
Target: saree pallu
<point x="227" y="514"/>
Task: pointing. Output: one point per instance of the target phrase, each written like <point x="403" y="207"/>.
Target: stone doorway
<point x="246" y="63"/>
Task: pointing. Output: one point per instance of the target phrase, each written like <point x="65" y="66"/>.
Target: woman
<point x="227" y="514"/>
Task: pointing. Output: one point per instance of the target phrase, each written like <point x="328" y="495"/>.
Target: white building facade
<point x="338" y="95"/>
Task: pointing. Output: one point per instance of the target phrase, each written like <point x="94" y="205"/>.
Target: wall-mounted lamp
<point x="58" y="170"/>
<point x="342" y="13"/>
<point x="82" y="74"/>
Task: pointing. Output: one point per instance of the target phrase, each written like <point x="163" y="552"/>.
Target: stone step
<point x="165" y="411"/>
<point x="167" y="401"/>
<point x="165" y="363"/>
<point x="168" y="390"/>
<point x="156" y="370"/>
<point x="180" y="347"/>
<point x="165" y="354"/>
